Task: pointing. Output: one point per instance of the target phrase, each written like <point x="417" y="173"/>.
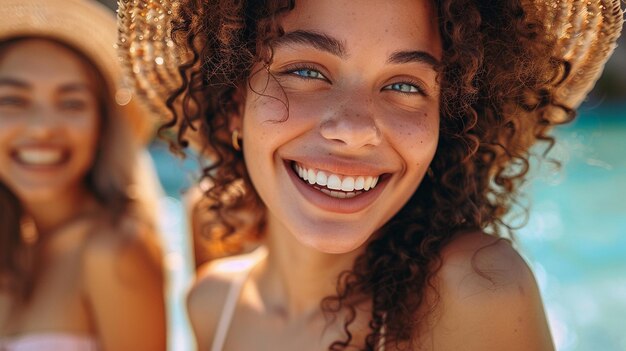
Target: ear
<point x="236" y="118"/>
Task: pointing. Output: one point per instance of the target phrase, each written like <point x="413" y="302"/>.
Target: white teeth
<point x="311" y="176"/>
<point x="321" y="178"/>
<point x="367" y="184"/>
<point x="359" y="183"/>
<point x="346" y="186"/>
<point x="334" y="182"/>
<point x="39" y="157"/>
<point x="338" y="194"/>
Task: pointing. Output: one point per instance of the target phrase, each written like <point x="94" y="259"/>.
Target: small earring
<point x="430" y="173"/>
<point x="235" y="140"/>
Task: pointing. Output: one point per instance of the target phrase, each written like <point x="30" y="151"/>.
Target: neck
<point x="52" y="213"/>
<point x="298" y="277"/>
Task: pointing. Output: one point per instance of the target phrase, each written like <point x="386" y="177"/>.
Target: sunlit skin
<point x="352" y="89"/>
<point x="98" y="280"/>
<point x="49" y="126"/>
<point x="367" y="106"/>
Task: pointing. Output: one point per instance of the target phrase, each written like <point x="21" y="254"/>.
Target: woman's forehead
<point x="407" y="24"/>
<point x="40" y="61"/>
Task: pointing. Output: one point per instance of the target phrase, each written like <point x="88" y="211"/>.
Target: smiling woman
<point x="79" y="265"/>
<point x="37" y="100"/>
<point x="376" y="148"/>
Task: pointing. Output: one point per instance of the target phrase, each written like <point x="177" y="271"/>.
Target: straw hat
<point x="587" y="31"/>
<point x="86" y="26"/>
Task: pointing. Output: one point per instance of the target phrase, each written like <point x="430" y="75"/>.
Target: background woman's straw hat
<point x="586" y="31"/>
<point x="88" y="27"/>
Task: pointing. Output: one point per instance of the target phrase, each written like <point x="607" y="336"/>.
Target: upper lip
<point x="348" y="167"/>
<point x="39" y="146"/>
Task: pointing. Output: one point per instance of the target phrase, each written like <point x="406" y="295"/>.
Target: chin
<point x="332" y="241"/>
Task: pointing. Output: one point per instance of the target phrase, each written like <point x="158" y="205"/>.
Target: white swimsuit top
<point x="49" y="342"/>
<point x="241" y="269"/>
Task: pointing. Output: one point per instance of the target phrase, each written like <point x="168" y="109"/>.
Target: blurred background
<point x="574" y="238"/>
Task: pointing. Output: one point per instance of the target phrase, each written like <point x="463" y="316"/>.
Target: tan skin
<point x="96" y="279"/>
<point x="356" y="112"/>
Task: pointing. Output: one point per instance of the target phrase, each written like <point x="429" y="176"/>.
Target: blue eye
<point x="308" y="73"/>
<point x="403" y="88"/>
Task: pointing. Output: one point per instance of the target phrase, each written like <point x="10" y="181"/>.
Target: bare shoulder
<point x="123" y="282"/>
<point x="488" y="299"/>
<point x="131" y="244"/>
<point x="476" y="262"/>
<point x="209" y="290"/>
<point x="206" y="297"/>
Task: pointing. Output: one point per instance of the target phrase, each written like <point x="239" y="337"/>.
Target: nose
<point x="44" y="122"/>
<point x="353" y="125"/>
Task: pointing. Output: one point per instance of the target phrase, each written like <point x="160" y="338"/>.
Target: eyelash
<point x="74" y="104"/>
<point x="304" y="67"/>
<point x="12" y="101"/>
<point x="414" y="84"/>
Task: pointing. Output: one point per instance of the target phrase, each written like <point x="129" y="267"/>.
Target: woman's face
<point x="49" y="120"/>
<point x="340" y="134"/>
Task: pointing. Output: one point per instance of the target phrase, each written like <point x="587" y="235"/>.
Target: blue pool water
<point x="575" y="237"/>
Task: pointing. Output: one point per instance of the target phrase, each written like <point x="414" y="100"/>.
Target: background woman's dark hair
<point x="107" y="179"/>
<point x="497" y="86"/>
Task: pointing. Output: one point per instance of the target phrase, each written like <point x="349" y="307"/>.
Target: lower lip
<point x="333" y="204"/>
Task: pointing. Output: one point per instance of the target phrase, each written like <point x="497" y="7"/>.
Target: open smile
<point x="334" y="191"/>
<point x="336" y="185"/>
<point x="40" y="157"/>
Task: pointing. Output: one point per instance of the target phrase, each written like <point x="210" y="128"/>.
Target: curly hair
<point x="498" y="81"/>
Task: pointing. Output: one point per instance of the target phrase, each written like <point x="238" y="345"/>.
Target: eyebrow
<point x="14" y="83"/>
<point x="400" y="57"/>
<point x="74" y="87"/>
<point x="67" y="88"/>
<point x="317" y="40"/>
<point x="334" y="46"/>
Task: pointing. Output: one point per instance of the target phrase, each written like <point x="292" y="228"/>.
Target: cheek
<point x="85" y="134"/>
<point x="415" y="137"/>
<point x="10" y="130"/>
<point x="270" y="121"/>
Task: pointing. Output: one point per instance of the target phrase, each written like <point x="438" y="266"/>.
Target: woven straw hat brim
<point x="586" y="33"/>
<point x="87" y="26"/>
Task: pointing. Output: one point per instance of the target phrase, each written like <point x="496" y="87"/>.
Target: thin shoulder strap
<point x="231" y="300"/>
<point x="383" y="330"/>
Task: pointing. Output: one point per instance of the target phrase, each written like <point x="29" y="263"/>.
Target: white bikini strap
<point x="231" y="300"/>
<point x="383" y="330"/>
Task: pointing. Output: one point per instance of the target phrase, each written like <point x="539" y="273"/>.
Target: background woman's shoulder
<point x="123" y="282"/>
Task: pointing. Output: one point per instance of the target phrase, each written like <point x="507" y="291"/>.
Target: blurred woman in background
<point x="79" y="265"/>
